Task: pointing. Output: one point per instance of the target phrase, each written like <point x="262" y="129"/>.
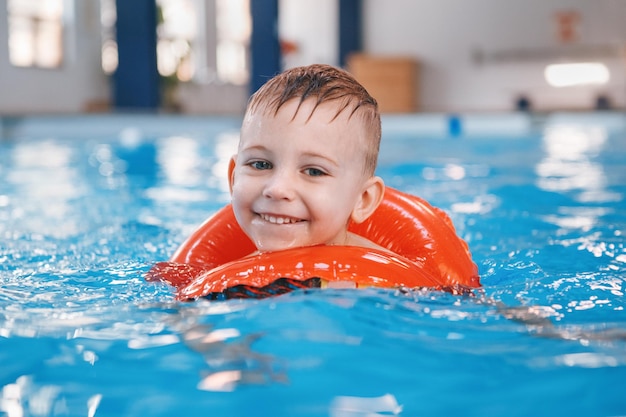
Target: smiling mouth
<point x="279" y="219"/>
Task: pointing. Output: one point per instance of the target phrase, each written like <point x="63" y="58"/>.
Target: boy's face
<point x="297" y="180"/>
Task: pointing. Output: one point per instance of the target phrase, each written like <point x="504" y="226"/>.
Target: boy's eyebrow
<point x="310" y="154"/>
<point x="317" y="155"/>
<point x="259" y="147"/>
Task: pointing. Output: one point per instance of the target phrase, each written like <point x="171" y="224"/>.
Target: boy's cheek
<point x="240" y="190"/>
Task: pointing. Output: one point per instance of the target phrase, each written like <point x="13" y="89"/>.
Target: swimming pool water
<point x="88" y="204"/>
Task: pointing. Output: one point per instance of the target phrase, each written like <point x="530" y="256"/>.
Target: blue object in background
<point x="455" y="127"/>
<point x="136" y="80"/>
<point x="350" y="29"/>
<point x="265" y="57"/>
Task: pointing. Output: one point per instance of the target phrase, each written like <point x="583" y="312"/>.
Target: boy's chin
<point x="274" y="246"/>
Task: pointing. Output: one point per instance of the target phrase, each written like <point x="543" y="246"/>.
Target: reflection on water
<point x="186" y="172"/>
<point x="385" y="405"/>
<point x="230" y="359"/>
<point x="179" y="159"/>
<point x="225" y="148"/>
<point x="81" y="332"/>
<point x="180" y="168"/>
<point x="572" y="167"/>
<point x="569" y="163"/>
<point x="44" y="182"/>
<point x="25" y="397"/>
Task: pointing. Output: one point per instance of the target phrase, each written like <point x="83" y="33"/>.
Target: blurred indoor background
<point x="207" y="56"/>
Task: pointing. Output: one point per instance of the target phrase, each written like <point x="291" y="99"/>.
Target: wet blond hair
<point x="324" y="84"/>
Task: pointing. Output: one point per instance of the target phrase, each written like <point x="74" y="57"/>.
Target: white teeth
<point x="278" y="220"/>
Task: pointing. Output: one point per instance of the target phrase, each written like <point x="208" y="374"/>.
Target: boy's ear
<point x="369" y="200"/>
<point x="231" y="173"/>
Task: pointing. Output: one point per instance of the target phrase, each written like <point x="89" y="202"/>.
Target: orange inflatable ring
<point x="216" y="262"/>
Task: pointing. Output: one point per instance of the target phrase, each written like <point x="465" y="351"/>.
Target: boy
<point x="306" y="159"/>
<point x="304" y="170"/>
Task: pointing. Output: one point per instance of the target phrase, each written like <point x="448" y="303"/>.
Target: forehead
<point x="308" y="112"/>
<point x="306" y="126"/>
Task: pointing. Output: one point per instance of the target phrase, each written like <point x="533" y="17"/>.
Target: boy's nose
<point x="280" y="186"/>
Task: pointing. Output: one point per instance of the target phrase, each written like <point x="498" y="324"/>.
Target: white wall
<point x="313" y="30"/>
<point x="71" y="88"/>
<point x="210" y="96"/>
<point x="444" y="34"/>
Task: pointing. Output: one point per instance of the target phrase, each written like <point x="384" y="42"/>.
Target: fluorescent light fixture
<point x="567" y="75"/>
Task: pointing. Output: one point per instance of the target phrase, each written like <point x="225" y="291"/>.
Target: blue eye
<point x="261" y="165"/>
<point x="315" y="172"/>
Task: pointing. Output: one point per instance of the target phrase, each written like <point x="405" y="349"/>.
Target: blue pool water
<point x="88" y="204"/>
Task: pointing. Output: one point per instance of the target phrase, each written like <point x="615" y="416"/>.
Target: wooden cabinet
<point x="392" y="81"/>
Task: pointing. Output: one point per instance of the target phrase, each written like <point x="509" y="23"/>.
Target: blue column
<point x="350" y="28"/>
<point x="136" y="80"/>
<point x="265" y="58"/>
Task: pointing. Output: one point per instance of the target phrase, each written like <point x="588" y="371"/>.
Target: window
<point x="182" y="44"/>
<point x="35" y="33"/>
<point x="234" y="27"/>
<point x="567" y="75"/>
<point x="108" y="17"/>
<point x="176" y="33"/>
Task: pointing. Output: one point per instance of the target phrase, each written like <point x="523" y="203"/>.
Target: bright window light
<point x="35" y="33"/>
<point x="234" y="27"/>
<point x="567" y="75"/>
